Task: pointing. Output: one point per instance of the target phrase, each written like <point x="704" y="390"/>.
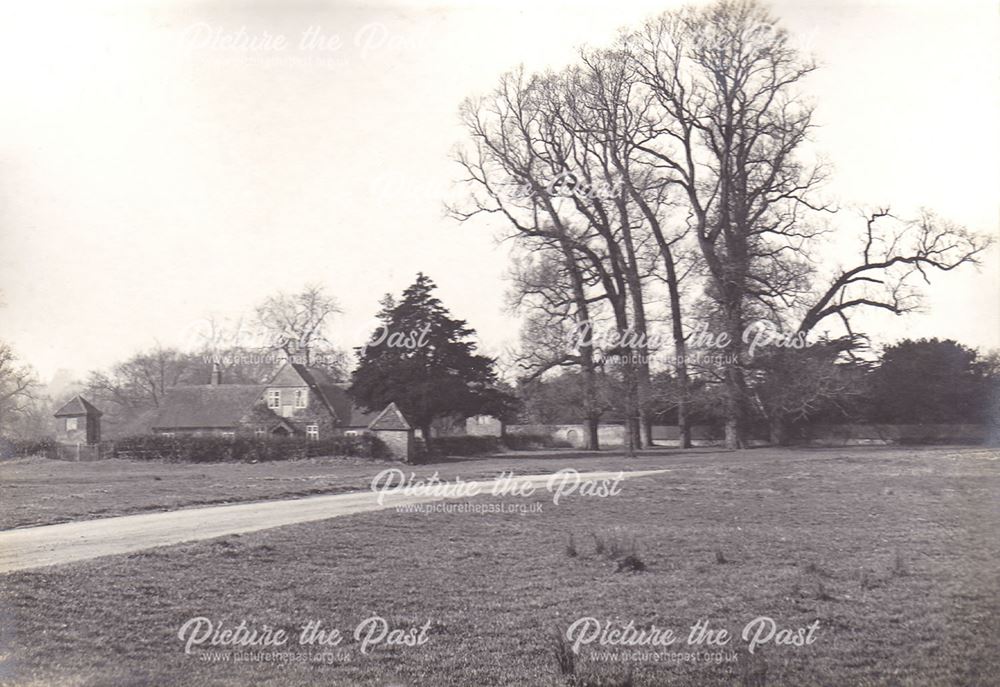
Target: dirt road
<point x="35" y="547"/>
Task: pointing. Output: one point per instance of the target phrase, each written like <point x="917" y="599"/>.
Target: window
<point x="71" y="424"/>
<point x="229" y="435"/>
<point x="301" y="395"/>
<point x="350" y="433"/>
<point x="274" y="398"/>
<point x="259" y="431"/>
<point x="312" y="432"/>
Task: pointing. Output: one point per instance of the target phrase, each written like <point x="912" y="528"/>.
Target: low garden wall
<point x="611" y="435"/>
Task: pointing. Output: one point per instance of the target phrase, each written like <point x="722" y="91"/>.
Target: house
<point x="78" y="422"/>
<point x="298" y="400"/>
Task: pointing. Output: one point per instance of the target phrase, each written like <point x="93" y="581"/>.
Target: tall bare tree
<point x="298" y="324"/>
<point x="727" y="129"/>
<point x="18" y="389"/>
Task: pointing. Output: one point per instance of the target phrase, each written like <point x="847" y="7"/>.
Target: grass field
<point x="893" y="551"/>
<point x="36" y="491"/>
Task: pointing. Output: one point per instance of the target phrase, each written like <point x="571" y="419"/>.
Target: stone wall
<point x="612" y="435"/>
<point x="398" y="443"/>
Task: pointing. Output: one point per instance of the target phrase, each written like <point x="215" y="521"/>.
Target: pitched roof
<point x="349" y="414"/>
<point x="78" y="405"/>
<point x="391" y="417"/>
<point x="206" y="405"/>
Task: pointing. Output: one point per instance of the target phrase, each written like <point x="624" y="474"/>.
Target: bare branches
<point x="893" y="252"/>
<point x="18" y="387"/>
<point x="297" y="323"/>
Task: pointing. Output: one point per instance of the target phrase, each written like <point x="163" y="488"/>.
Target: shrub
<point x="22" y="448"/>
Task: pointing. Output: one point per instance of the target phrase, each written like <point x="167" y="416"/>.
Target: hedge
<point x="527" y="442"/>
<point x="464" y="445"/>
<point x="188" y="449"/>
<point x="22" y="448"/>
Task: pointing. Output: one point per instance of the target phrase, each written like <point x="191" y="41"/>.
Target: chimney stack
<point x="216" y="375"/>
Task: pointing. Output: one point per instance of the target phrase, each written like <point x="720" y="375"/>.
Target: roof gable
<point x="77" y="405"/>
<point x="318" y="380"/>
<point x="391" y="417"/>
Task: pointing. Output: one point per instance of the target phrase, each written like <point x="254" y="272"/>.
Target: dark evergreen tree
<point x="930" y="381"/>
<point x="426" y="362"/>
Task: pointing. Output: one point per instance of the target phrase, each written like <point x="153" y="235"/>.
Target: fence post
<point x="78" y="452"/>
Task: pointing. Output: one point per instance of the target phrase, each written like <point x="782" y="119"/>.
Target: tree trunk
<point x="593" y="436"/>
<point x="587" y="366"/>
<point x="638" y="349"/>
<point x="680" y="345"/>
<point x="683" y="428"/>
<point x="778" y="430"/>
<point x="735" y="381"/>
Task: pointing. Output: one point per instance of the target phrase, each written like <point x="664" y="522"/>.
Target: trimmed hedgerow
<point x="21" y="448"/>
<point x="189" y="449"/>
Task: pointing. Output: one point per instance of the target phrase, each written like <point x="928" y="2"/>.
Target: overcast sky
<point x="153" y="171"/>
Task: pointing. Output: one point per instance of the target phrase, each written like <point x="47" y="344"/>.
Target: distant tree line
<point x="911" y="382"/>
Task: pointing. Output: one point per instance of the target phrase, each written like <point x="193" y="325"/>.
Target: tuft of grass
<point x="899" y="567"/>
<point x="752" y="669"/>
<point x="592" y="678"/>
<point x="600" y="544"/>
<point x="571" y="550"/>
<point x="614" y="544"/>
<point x="817" y="570"/>
<point x="720" y="557"/>
<point x="822" y="594"/>
<point x="565" y="658"/>
<point x="631" y="563"/>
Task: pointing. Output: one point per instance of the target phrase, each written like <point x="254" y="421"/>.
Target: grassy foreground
<point x="37" y="491"/>
<point x="893" y="552"/>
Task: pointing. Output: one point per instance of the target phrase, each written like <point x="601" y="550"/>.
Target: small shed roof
<point x="78" y="406"/>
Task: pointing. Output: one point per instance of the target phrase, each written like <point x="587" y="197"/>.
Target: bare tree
<point x="520" y="141"/>
<point x="18" y="389"/>
<point x="297" y="324"/>
<point x="726" y="128"/>
<point x="607" y="107"/>
<point x="549" y="288"/>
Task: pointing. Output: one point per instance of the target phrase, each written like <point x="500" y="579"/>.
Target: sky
<point x="164" y="162"/>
